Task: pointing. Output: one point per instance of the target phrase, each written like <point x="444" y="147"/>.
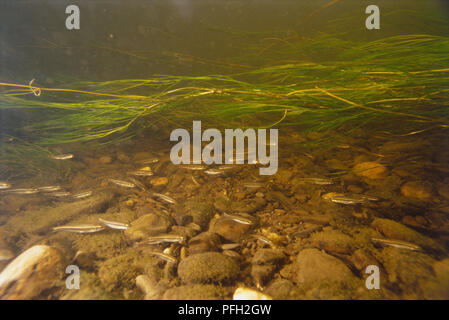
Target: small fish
<point x="194" y="180"/>
<point x="347" y="200"/>
<point x="24" y="191"/>
<point x="238" y="218"/>
<point x="66" y="156"/>
<point x="142" y="172"/>
<point x="49" y="188"/>
<point x="318" y="181"/>
<point x="163" y="256"/>
<point x="227" y="167"/>
<point x="122" y="183"/>
<point x="214" y="172"/>
<point x="149" y="161"/>
<point x="4" y="185"/>
<point x="61" y="194"/>
<point x="80" y="228"/>
<point x="253" y="185"/>
<point x="164" y="197"/>
<point x="351" y="199"/>
<point x="171" y="238"/>
<point x="114" y="224"/>
<point x="194" y="167"/>
<point x="82" y="195"/>
<point x="397" y="244"/>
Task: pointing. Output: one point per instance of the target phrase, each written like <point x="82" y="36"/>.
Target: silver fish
<point x="66" y="156"/>
<point x="214" y="172"/>
<point x="164" y="197"/>
<point x="347" y="200"/>
<point x="238" y="218"/>
<point x="194" y="167"/>
<point x="4" y="185"/>
<point x="397" y="244"/>
<point x="59" y="194"/>
<point x="122" y="183"/>
<point x="114" y="224"/>
<point x="163" y="256"/>
<point x="149" y="161"/>
<point x="227" y="167"/>
<point x="49" y="188"/>
<point x="318" y="181"/>
<point x="194" y="180"/>
<point x="82" y="195"/>
<point x="142" y="173"/>
<point x="352" y="199"/>
<point x="80" y="228"/>
<point x="171" y="238"/>
<point x="262" y="239"/>
<point x="23" y="191"/>
<point x="253" y="185"/>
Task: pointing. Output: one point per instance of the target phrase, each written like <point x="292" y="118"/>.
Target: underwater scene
<point x="205" y="149"/>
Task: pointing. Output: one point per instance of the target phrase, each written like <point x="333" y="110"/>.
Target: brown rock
<point x="147" y="225"/>
<point x="333" y="241"/>
<point x="362" y="259"/>
<point x="229" y="229"/>
<point x="395" y="230"/>
<point x="313" y="266"/>
<point x="371" y="170"/>
<point x="417" y="190"/>
<point x="159" y="182"/>
<point x="32" y="272"/>
<point x="208" y="267"/>
<point x="105" y="160"/>
<point x="204" y="242"/>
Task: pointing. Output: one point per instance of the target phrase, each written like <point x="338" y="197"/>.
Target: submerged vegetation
<point x="398" y="78"/>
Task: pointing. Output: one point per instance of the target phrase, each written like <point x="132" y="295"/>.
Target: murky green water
<point x="87" y="180"/>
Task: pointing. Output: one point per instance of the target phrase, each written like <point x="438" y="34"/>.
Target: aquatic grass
<point x="403" y="77"/>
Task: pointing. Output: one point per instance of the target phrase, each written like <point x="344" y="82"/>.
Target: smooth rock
<point x="395" y="230"/>
<point x="149" y="287"/>
<point x="268" y="256"/>
<point x="371" y="170"/>
<point x="314" y="266"/>
<point x="159" y="182"/>
<point x="417" y="190"/>
<point x="32" y="272"/>
<point x="204" y="242"/>
<point x="147" y="225"/>
<point x="333" y="241"/>
<point x="229" y="229"/>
